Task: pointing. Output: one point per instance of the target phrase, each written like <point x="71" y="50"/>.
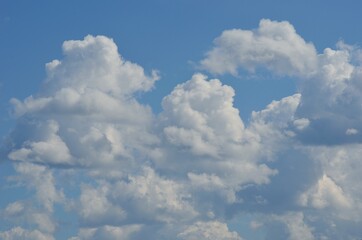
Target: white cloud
<point x="208" y="230"/>
<point x="18" y="233"/>
<point x="51" y="150"/>
<point x="351" y="131"/>
<point x="41" y="179"/>
<point x="301" y="123"/>
<point x="96" y="209"/>
<point x="186" y="171"/>
<point x="107" y="233"/>
<point x="297" y="228"/>
<point x="212" y="183"/>
<point x="255" y="225"/>
<point x="14" y="208"/>
<point x="44" y="222"/>
<point x="95" y="63"/>
<point x="338" y="188"/>
<point x="326" y="193"/>
<point x="204" y="109"/>
<point x="331" y="99"/>
<point x="272" y="125"/>
<point x="206" y="140"/>
<point x="37" y="211"/>
<point x="85" y="110"/>
<point x="274" y="45"/>
<point x="140" y="198"/>
<point x="29" y="212"/>
<point x="149" y="197"/>
<point x="328" y="82"/>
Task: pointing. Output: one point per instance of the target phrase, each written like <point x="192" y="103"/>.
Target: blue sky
<point x="220" y="120"/>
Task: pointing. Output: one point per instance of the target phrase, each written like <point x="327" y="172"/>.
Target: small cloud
<point x="351" y="131"/>
<point x="14" y="208"/>
<point x="273" y="45"/>
<point x="255" y="225"/>
<point x="301" y="123"/>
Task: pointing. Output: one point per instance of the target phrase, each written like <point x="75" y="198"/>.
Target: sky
<point x="192" y="119"/>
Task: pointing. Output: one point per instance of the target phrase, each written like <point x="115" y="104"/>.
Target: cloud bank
<point x="85" y="146"/>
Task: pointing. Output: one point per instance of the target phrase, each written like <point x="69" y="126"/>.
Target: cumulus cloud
<point x="321" y="123"/>
<point x="85" y="116"/>
<point x="14" y="208"/>
<point x="324" y="194"/>
<point x="296" y="227"/>
<point x="95" y="208"/>
<point x="330" y="100"/>
<point x="18" y="233"/>
<point x="208" y="230"/>
<point x="142" y="169"/>
<point x="140" y="198"/>
<point x="206" y="140"/>
<point x="273" y="45"/>
<point x="40" y="179"/>
<point x="107" y="233"/>
<point x="351" y="131"/>
<point x="329" y="82"/>
<point x="337" y="188"/>
<point x="84" y="144"/>
<point x="80" y="115"/>
<point x="51" y="150"/>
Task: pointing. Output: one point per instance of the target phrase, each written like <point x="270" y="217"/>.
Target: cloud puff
<point x="329" y="82"/>
<point x="51" y="149"/>
<point x="80" y="115"/>
<point x="296" y="227"/>
<point x="145" y="197"/>
<point x="41" y="179"/>
<point x="274" y="45"/>
<point x="330" y="100"/>
<point x="324" y="194"/>
<point x="206" y="140"/>
<point x="18" y="233"/>
<point x="337" y="188"/>
<point x="96" y="209"/>
<point x="208" y="230"/>
<point x="199" y="113"/>
<point x="107" y="233"/>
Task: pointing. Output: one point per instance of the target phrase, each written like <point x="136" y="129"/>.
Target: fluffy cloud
<point x="84" y="145"/>
<point x="338" y="187"/>
<point x="84" y="117"/>
<point x="204" y="109"/>
<point x="206" y="140"/>
<point x="274" y="45"/>
<point x="329" y="82"/>
<point x="296" y="227"/>
<point x="319" y="127"/>
<point x="325" y="193"/>
<point x="51" y="149"/>
<point x="107" y="233"/>
<point x="18" y="233"/>
<point x="80" y="115"/>
<point x="95" y="208"/>
<point x="330" y="100"/>
<point x="142" y="169"/>
<point x="42" y="181"/>
<point x="208" y="230"/>
<point x="14" y="208"/>
<point x="145" y="197"/>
